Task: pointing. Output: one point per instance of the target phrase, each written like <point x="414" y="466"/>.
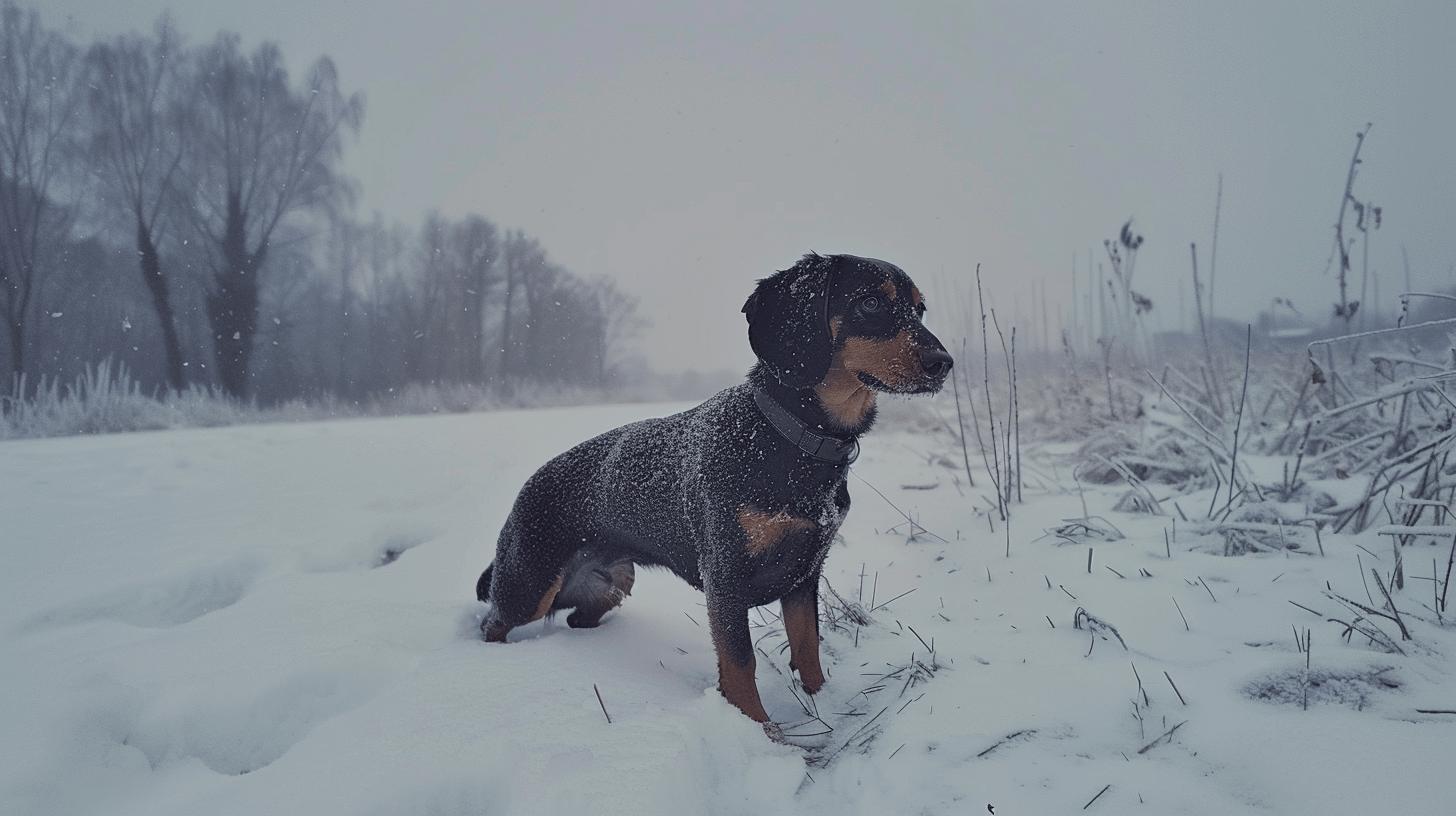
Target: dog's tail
<point x="482" y="586"/>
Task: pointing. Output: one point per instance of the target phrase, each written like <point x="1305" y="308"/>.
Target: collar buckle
<point x="823" y="447"/>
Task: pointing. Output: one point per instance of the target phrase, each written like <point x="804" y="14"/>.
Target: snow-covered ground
<point x="280" y="619"/>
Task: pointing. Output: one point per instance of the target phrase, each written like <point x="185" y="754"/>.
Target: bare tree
<point x="425" y="301"/>
<point x="619" y="322"/>
<point x="346" y="238"/>
<point x="137" y="144"/>
<point x="39" y="105"/>
<point x="521" y="255"/>
<point x="210" y="167"/>
<point x="540" y="280"/>
<point x="473" y="249"/>
<point x="262" y="151"/>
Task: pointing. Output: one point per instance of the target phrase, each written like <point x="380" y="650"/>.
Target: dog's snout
<point x="936" y="362"/>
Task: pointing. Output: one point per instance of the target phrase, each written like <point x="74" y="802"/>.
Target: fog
<point x="442" y="292"/>
<point x="687" y="149"/>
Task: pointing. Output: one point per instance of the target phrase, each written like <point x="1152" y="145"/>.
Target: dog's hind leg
<point x="595" y="584"/>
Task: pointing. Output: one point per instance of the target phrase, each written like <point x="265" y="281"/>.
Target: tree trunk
<point x="17" y="354"/>
<point x="505" y="355"/>
<point x="151" y="264"/>
<point x="17" y="304"/>
<point x="345" y="384"/>
<point x="477" y="332"/>
<point x="232" y="306"/>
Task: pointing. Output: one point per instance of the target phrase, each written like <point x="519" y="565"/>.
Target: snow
<point x="280" y="618"/>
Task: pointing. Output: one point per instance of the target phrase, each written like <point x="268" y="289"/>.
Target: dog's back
<point x="615" y="500"/>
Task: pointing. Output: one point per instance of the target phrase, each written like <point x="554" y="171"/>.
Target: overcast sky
<point x="687" y="149"/>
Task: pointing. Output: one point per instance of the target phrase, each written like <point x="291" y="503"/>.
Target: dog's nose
<point x="936" y="362"/>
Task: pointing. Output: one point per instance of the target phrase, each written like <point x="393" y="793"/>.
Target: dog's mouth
<point x="921" y="385"/>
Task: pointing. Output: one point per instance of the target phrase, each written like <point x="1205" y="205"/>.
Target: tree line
<point x="183" y="209"/>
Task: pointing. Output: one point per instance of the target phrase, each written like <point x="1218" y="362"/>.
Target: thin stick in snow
<point x="1205" y="586"/>
<point x="997" y="478"/>
<point x="1239" y="420"/>
<point x="1307" y="638"/>
<point x="1404" y="633"/>
<point x="1141" y="690"/>
<point x="602" y="704"/>
<point x="1167" y="735"/>
<point x="1095" y="626"/>
<point x="1175" y="688"/>
<point x="961" y="426"/>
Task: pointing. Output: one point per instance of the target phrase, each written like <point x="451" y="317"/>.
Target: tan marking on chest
<point x="765" y="530"/>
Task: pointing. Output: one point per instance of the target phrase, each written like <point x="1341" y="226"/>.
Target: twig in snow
<point x="1167" y="735"/>
<point x="1404" y="633"/>
<point x="1359" y="623"/>
<point x="961" y="426"/>
<point x="602" y="704"/>
<point x="1025" y="732"/>
<point x="1307" y="644"/>
<point x="1141" y="690"/>
<point x="1239" y="421"/>
<point x="896" y="598"/>
<point x="1095" y="626"/>
<point x="1098" y="796"/>
<point x="919" y="638"/>
<point x="1186" y="627"/>
<point x="1175" y="688"/>
<point x="913" y="523"/>
<point x="1205" y="586"/>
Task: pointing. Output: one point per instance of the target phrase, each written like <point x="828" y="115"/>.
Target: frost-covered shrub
<point x="107" y="399"/>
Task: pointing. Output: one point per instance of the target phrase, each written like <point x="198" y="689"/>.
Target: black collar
<point x="825" y="448"/>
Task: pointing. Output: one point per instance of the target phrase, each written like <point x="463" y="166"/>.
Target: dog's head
<point x="842" y="317"/>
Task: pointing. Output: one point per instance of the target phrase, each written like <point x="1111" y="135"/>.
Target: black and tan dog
<point x="740" y="496"/>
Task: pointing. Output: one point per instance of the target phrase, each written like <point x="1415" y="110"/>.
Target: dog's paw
<point x="775" y="732"/>
<point x="811" y="680"/>
<point x="580" y="620"/>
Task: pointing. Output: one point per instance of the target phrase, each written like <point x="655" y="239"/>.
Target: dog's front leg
<point x="728" y="623"/>
<point x="801" y="622"/>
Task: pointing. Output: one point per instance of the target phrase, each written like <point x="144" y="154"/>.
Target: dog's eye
<point x="920" y="310"/>
<point x="869" y="305"/>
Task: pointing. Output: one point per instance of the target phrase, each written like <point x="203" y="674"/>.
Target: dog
<point x="740" y="496"/>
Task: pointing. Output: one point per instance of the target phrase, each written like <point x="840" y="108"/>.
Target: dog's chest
<point x="800" y="547"/>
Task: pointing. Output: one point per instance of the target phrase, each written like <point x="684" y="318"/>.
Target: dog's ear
<point x="788" y="322"/>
